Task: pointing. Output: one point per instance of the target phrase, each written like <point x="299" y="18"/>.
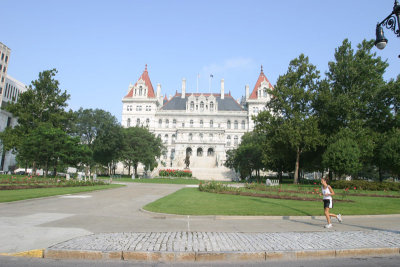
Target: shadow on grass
<point x="285" y="206"/>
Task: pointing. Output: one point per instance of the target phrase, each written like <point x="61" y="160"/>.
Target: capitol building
<point x="202" y="125"/>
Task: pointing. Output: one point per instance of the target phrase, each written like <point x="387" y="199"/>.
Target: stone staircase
<point x="214" y="174"/>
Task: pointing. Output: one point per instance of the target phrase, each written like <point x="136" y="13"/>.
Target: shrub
<point x="175" y="173"/>
<point x="365" y="185"/>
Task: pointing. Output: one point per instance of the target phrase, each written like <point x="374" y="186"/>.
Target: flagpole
<point x="209" y="86"/>
<point x="197" y="88"/>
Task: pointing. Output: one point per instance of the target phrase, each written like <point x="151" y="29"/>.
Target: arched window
<point x="137" y="122"/>
<point x="243" y="124"/>
<point x="199" y="152"/>
<point x="228" y="140"/>
<point x="147" y="122"/>
<point x="166" y="138"/>
<point x="166" y="123"/>
<point x="235" y="140"/>
<point x="191" y="123"/>
<point x="210" y="152"/>
<point x="212" y="106"/>
<point x="128" y="123"/>
<point x="140" y="90"/>
<point x="190" y="137"/>
<point x="189" y="151"/>
<point x="211" y="123"/>
<point x="159" y="122"/>
<point x="159" y="136"/>
<point x="236" y="125"/>
<point x="173" y="138"/>
<point x="201" y="105"/>
<point x="174" y="123"/>
<point x="172" y="153"/>
<point x="228" y="124"/>
<point x="201" y="123"/>
<point x="265" y="91"/>
<point x="192" y="106"/>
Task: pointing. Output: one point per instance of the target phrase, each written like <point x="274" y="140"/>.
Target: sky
<point x="100" y="47"/>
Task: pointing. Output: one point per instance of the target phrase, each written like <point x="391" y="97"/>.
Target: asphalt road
<point x="391" y="261"/>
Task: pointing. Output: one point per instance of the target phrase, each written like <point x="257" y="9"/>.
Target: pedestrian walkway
<point x="214" y="246"/>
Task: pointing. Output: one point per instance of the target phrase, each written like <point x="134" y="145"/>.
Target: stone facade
<point x="203" y="125"/>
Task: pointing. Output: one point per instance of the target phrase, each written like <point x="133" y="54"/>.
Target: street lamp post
<point x="391" y="22"/>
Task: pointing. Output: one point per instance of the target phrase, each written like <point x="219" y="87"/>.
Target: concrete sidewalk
<point x="221" y="246"/>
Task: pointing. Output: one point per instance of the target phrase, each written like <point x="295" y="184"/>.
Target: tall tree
<point x="141" y="146"/>
<point x="290" y="118"/>
<point x="247" y="158"/>
<point x="42" y="104"/>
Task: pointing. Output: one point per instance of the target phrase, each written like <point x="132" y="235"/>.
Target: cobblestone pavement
<point x="231" y="242"/>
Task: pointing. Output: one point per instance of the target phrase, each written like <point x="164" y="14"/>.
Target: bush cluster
<point x="213" y="187"/>
<point x="365" y="185"/>
<point x="175" y="173"/>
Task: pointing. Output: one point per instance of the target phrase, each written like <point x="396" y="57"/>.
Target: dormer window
<point x="201" y="106"/>
<point x="212" y="106"/>
<point x="192" y="106"/>
<point x="140" y="90"/>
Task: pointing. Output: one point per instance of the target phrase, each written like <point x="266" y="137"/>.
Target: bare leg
<point x="332" y="215"/>
<point x="328" y="218"/>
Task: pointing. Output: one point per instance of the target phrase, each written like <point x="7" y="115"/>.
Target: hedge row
<point x="365" y="185"/>
<point x="175" y="173"/>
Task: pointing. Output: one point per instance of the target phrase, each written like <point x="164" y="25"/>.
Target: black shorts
<point x="328" y="203"/>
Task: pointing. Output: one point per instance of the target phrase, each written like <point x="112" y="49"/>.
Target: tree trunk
<point x="135" y="166"/>
<point x="380" y="174"/>
<point x="129" y="170"/>
<point x="296" y="168"/>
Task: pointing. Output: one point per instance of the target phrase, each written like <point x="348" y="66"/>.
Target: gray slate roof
<point x="226" y="104"/>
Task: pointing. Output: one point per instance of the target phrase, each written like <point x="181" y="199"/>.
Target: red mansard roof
<point x="261" y="78"/>
<point x="145" y="77"/>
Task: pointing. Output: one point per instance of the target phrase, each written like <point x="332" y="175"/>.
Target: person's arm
<point x="330" y="189"/>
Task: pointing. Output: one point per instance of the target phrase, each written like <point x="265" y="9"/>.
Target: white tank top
<point x="326" y="191"/>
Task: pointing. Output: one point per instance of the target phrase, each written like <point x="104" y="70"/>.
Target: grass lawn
<point x="20" y="194"/>
<point x="190" y="201"/>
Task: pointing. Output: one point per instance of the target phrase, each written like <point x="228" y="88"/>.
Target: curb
<point x="261" y="217"/>
<point x="35" y="253"/>
<point x="216" y="256"/>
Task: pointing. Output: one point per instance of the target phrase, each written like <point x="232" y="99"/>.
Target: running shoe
<point x="339" y="218"/>
<point x="328" y="225"/>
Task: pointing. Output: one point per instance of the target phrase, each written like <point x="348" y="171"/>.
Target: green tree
<point x="343" y="157"/>
<point x="108" y="146"/>
<point x="42" y="104"/>
<point x="355" y="99"/>
<point x="389" y="154"/>
<point x="140" y="146"/>
<point x="247" y="158"/>
<point x="89" y="124"/>
<point x="290" y="119"/>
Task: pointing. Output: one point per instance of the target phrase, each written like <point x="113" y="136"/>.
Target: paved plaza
<point x="109" y="224"/>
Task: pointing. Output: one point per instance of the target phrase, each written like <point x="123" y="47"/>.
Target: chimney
<point x="222" y="89"/>
<point x="183" y="88"/>
<point x="247" y="92"/>
<point x="158" y="90"/>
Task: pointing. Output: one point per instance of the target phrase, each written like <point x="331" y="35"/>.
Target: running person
<point x="327" y="193"/>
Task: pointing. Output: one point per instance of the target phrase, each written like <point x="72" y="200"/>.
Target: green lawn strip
<point x="20" y="194"/>
<point x="190" y="201"/>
